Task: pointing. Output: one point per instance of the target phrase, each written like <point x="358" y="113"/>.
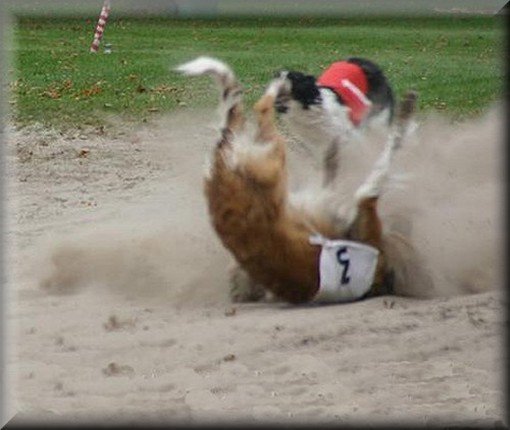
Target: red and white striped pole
<point x="101" y="24"/>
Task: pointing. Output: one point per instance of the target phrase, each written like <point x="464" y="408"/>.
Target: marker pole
<point x="101" y="24"/>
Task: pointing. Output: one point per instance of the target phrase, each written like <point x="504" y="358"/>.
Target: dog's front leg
<point x="264" y="110"/>
<point x="268" y="167"/>
<point x="366" y="226"/>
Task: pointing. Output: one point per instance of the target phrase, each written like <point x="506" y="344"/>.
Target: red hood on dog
<point x="349" y="82"/>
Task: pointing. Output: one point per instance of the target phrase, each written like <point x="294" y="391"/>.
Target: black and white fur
<point x="319" y="117"/>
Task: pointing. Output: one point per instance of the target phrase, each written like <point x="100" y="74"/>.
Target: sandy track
<point x="136" y="324"/>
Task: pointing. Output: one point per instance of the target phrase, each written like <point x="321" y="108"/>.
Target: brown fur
<point x="248" y="205"/>
<point x="248" y="197"/>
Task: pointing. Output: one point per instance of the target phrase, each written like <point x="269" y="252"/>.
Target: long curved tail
<point x="231" y="94"/>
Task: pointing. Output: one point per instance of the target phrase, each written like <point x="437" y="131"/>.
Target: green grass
<point x="454" y="62"/>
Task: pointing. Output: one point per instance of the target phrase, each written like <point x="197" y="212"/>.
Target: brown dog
<point x="280" y="247"/>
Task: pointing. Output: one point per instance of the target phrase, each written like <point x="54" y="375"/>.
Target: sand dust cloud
<point x="446" y="200"/>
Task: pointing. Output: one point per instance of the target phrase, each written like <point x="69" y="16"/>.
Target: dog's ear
<point x="304" y="89"/>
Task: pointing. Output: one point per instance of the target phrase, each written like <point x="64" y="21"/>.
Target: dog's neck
<point x="320" y="124"/>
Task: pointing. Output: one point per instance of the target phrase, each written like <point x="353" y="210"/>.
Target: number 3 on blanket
<point x="342" y="256"/>
<point x="346" y="269"/>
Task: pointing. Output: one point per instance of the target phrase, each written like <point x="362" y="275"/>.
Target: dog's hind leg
<point x="234" y="119"/>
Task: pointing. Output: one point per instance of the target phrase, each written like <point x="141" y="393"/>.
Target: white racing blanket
<point x="346" y="269"/>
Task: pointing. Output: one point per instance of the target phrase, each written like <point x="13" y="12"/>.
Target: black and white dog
<point x="348" y="96"/>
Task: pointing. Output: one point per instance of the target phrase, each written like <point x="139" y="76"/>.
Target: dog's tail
<point x="231" y="109"/>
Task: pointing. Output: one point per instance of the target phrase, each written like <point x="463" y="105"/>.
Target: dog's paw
<point x="243" y="289"/>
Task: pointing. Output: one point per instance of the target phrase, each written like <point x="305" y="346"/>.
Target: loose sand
<point x="118" y="291"/>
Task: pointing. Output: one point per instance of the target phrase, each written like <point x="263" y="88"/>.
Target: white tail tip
<point x="205" y="65"/>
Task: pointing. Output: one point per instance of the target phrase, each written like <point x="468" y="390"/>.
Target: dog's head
<point x="297" y="87"/>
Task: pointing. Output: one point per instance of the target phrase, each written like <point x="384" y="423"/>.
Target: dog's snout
<point x="281" y="104"/>
<point x="280" y="74"/>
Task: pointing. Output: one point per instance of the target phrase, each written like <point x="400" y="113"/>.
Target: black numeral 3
<point x="343" y="258"/>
